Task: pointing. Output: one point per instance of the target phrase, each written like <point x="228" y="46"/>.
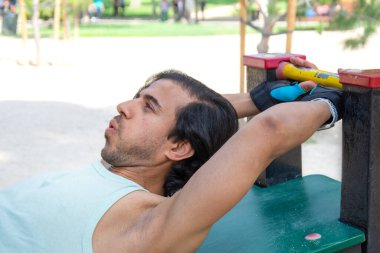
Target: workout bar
<point x="286" y="70"/>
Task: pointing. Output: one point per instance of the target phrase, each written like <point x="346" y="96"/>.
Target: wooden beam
<point x="243" y="18"/>
<point x="57" y="18"/>
<point x="291" y="21"/>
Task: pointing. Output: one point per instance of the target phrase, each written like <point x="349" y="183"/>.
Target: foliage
<point x="47" y="7"/>
<point x="366" y="15"/>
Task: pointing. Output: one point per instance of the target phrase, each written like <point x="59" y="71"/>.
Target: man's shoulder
<point x="122" y="224"/>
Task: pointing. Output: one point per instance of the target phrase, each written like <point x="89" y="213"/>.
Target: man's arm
<point x="243" y="104"/>
<point x="221" y="182"/>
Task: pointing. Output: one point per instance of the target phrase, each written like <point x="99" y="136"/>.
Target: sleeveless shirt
<point x="58" y="212"/>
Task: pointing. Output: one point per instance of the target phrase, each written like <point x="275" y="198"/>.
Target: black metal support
<point x="353" y="249"/>
<point x="360" y="204"/>
<point x="289" y="165"/>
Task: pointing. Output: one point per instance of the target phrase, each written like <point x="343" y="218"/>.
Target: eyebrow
<point x="153" y="100"/>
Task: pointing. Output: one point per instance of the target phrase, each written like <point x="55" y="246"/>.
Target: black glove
<point x="268" y="94"/>
<point x="334" y="99"/>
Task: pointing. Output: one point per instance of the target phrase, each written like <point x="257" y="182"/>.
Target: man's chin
<point x="106" y="164"/>
<point x="108" y="157"/>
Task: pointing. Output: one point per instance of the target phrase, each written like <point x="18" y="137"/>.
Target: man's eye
<point x="148" y="106"/>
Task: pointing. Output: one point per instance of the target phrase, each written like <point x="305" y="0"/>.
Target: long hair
<point x="207" y="123"/>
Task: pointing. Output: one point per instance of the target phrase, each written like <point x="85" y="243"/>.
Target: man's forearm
<point x="243" y="104"/>
<point x="298" y="121"/>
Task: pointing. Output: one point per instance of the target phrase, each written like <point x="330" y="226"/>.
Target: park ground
<point x="53" y="116"/>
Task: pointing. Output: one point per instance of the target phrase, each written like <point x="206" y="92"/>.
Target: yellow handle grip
<point x="287" y="70"/>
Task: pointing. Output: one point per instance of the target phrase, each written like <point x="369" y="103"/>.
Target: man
<point x="117" y="5"/>
<point x="156" y="143"/>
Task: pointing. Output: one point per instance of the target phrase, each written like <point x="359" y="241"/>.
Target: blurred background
<point x="65" y="64"/>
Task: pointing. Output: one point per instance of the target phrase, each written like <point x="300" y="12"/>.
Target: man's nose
<point x="125" y="109"/>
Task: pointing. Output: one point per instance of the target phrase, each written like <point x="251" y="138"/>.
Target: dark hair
<point x="207" y="123"/>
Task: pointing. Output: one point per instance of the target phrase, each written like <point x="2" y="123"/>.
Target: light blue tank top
<point x="58" y="212"/>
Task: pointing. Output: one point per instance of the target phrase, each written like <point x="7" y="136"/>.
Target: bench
<point x="284" y="218"/>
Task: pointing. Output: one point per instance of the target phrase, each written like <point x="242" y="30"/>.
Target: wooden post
<point x="36" y="30"/>
<point x="76" y="8"/>
<point x="360" y="203"/>
<point x="262" y="67"/>
<point x="65" y="20"/>
<point x="243" y="19"/>
<point x="291" y="20"/>
<point x="57" y="18"/>
<point x="24" y="32"/>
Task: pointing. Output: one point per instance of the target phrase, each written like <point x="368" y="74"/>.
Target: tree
<point x="366" y="15"/>
<point x="270" y="13"/>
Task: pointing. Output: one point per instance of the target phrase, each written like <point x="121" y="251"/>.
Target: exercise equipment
<point x="285" y="212"/>
<point x="286" y="70"/>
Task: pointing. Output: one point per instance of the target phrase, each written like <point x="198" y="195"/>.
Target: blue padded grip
<point x="287" y="93"/>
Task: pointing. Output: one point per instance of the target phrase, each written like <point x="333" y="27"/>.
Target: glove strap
<point x="333" y="111"/>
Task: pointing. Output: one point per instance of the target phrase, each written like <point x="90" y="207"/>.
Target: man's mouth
<point x="112" y="126"/>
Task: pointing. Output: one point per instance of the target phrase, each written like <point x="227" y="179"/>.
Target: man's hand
<point x="268" y="94"/>
<point x="242" y="102"/>
<point x="302" y="63"/>
<point x="244" y="107"/>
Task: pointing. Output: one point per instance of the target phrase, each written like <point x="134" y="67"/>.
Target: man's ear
<point x="180" y="150"/>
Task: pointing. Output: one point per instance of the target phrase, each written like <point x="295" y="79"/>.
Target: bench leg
<point x="353" y="249"/>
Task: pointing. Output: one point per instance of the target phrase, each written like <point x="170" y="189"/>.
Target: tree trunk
<point x="263" y="46"/>
<point x="57" y="18"/>
<point x="36" y="31"/>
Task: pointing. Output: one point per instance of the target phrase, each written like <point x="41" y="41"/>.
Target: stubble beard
<point x="126" y="155"/>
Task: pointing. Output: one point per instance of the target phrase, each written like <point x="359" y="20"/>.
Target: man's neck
<point x="152" y="178"/>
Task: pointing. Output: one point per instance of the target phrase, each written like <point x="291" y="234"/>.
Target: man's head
<point x="187" y="122"/>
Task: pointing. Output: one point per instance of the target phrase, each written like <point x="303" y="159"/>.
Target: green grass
<point x="150" y="29"/>
<point x="157" y="29"/>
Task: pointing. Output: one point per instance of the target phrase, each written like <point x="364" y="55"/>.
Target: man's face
<point x="138" y="135"/>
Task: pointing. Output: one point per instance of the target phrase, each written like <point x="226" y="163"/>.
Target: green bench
<point x="279" y="218"/>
